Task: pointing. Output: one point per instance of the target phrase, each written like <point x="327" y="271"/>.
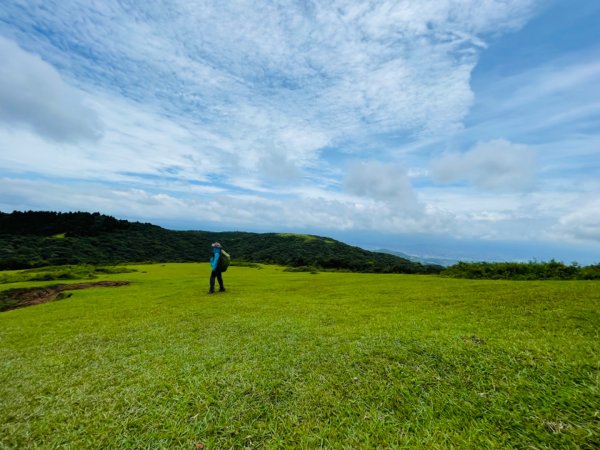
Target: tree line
<point x="34" y="239"/>
<point x="533" y="270"/>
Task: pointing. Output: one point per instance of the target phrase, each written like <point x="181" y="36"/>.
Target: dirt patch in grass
<point x="22" y="297"/>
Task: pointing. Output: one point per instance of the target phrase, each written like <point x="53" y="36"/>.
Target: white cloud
<point x="135" y="143"/>
<point x="379" y="181"/>
<point x="565" y="214"/>
<point x="496" y="165"/>
<point x="32" y="93"/>
<point x="582" y="224"/>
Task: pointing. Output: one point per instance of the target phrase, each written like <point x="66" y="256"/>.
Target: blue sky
<point x="461" y="128"/>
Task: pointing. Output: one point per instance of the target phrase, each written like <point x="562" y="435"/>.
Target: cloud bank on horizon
<point x="472" y="119"/>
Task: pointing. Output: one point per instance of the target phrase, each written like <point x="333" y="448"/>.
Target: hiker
<point x="216" y="269"/>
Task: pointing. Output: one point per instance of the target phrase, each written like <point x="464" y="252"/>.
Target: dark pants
<point x="216" y="274"/>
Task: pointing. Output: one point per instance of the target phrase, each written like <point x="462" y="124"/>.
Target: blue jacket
<point x="214" y="259"/>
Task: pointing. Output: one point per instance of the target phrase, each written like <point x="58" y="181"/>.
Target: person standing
<point x="216" y="271"/>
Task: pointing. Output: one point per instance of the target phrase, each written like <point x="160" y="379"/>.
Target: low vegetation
<point x="68" y="272"/>
<point x="551" y="270"/>
<point x="292" y="359"/>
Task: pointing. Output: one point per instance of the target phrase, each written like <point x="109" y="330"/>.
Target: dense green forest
<point x="35" y="239"/>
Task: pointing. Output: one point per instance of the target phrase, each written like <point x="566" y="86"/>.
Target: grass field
<point x="298" y="360"/>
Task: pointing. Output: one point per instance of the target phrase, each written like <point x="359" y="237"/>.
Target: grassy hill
<point x="34" y="239"/>
<point x="295" y="360"/>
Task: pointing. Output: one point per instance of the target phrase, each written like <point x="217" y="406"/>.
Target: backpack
<point x="224" y="261"/>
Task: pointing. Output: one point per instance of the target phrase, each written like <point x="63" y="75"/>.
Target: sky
<point x="467" y="129"/>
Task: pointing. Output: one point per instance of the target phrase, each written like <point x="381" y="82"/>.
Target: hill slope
<point x="31" y="239"/>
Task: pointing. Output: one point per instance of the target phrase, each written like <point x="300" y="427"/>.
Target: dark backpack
<point x="224" y="261"/>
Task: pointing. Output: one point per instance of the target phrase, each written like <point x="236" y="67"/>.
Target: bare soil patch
<point x="22" y="297"/>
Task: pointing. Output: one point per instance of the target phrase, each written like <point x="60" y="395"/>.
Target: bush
<point x="533" y="270"/>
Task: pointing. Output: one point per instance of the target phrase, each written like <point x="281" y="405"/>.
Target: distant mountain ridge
<point x="37" y="238"/>
<point x="446" y="262"/>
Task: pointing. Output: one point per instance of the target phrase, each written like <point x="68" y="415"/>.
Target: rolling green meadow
<point x="301" y="360"/>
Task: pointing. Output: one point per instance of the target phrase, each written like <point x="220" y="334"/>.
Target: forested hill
<point x="32" y="239"/>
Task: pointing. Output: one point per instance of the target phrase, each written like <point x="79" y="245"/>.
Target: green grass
<point x="301" y="360"/>
<point x="307" y="237"/>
